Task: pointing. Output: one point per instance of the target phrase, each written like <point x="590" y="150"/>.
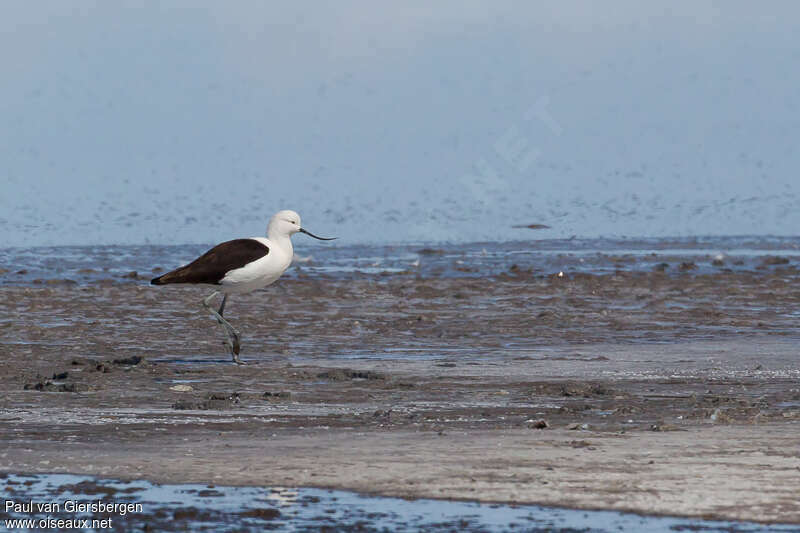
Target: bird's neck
<point x="284" y="242"/>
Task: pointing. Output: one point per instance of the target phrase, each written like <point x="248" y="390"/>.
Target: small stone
<point x="181" y="388"/>
<point x="538" y="424"/>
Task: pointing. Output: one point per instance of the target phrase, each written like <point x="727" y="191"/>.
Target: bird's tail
<point x="186" y="274"/>
<point x="176" y="276"/>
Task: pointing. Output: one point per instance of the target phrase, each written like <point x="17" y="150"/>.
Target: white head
<point x="285" y="224"/>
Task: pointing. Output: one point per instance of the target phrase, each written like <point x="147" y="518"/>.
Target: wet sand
<point x="655" y="393"/>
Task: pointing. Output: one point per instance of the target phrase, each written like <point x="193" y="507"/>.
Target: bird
<point x="240" y="266"/>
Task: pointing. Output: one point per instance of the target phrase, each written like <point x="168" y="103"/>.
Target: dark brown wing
<point x="213" y="265"/>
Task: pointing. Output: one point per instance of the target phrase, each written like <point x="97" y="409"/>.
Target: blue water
<point x="198" y="507"/>
<point x="91" y="264"/>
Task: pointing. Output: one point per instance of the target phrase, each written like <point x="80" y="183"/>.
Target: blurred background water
<point x="192" y="122"/>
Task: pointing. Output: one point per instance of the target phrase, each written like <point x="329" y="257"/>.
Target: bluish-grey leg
<point x="233" y="335"/>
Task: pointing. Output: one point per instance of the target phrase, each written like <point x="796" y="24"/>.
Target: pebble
<point x="538" y="424"/>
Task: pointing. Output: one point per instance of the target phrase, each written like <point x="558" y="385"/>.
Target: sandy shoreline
<point x="702" y="420"/>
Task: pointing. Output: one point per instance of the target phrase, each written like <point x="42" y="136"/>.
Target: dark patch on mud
<point x="262" y="514"/>
<point x="104" y="368"/>
<point x="53" y="384"/>
<point x="575" y="389"/>
<point x="774" y="260"/>
<point x="129" y="361"/>
<point x="215" y="401"/>
<point x="273" y="396"/>
<point x="89" y="487"/>
<point x="193" y="514"/>
<point x="49" y="386"/>
<point x="343" y="374"/>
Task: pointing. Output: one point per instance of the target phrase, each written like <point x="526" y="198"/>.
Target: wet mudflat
<point x="660" y="393"/>
<point x="143" y="506"/>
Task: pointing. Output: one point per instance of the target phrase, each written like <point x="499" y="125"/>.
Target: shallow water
<point x="196" y="507"/>
<point x="133" y="264"/>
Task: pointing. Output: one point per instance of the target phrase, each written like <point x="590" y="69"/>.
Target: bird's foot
<point x="234" y="346"/>
<point x="234" y="352"/>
